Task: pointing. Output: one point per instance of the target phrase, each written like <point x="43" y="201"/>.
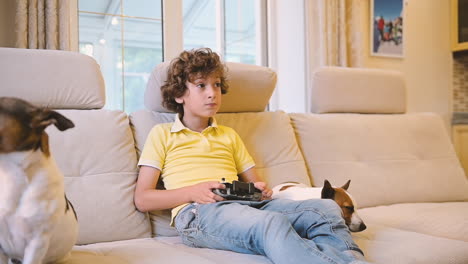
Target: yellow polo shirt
<point x="187" y="157"/>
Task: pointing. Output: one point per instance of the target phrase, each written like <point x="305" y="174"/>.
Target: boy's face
<point x="202" y="97"/>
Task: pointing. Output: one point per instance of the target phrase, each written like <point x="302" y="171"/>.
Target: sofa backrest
<point x="390" y="157"/>
<point x="250" y="88"/>
<point x="97" y="156"/>
<point x="268" y="136"/>
<point x="345" y="90"/>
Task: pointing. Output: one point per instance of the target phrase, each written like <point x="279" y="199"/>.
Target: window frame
<point x="173" y="29"/>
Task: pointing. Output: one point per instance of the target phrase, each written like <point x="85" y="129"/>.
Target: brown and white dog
<point x="37" y="222"/>
<point x="299" y="191"/>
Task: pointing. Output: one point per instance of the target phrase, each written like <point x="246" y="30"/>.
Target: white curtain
<point x="335" y="32"/>
<point x="335" y="35"/>
<point x="43" y="24"/>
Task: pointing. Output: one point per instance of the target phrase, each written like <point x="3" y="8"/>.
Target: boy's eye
<point x="218" y="84"/>
<point x="201" y="85"/>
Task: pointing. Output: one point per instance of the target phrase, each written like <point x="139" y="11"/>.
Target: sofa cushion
<point x="355" y="90"/>
<point x="449" y="220"/>
<point x="381" y="245"/>
<point x="270" y="139"/>
<point x="268" y="136"/>
<point x="52" y="78"/>
<point x="78" y="256"/>
<point x="98" y="160"/>
<point x="389" y="158"/>
<point x="141" y="122"/>
<point x="164" y="250"/>
<point x="386" y="245"/>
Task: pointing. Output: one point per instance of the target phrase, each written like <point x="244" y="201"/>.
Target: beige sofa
<point x="410" y="188"/>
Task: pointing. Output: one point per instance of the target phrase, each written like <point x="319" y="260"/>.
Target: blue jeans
<point x="285" y="231"/>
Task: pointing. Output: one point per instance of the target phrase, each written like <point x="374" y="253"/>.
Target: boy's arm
<point x="147" y="198"/>
<point x="251" y="175"/>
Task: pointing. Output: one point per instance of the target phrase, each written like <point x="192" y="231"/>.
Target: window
<point x="242" y="32"/>
<point x="233" y="28"/>
<point x="126" y="38"/>
<point x="199" y="25"/>
<point x="126" y="41"/>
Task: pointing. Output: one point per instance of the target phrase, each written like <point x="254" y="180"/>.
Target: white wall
<point x="427" y="62"/>
<point x="7" y="23"/>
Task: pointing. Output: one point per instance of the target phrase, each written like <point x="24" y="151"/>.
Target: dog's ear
<point x="47" y="117"/>
<point x="327" y="191"/>
<point x="62" y="123"/>
<point x="346" y="186"/>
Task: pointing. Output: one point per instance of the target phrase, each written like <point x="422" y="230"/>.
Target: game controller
<point x="238" y="190"/>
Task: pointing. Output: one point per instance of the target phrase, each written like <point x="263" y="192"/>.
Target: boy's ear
<point x="179" y="100"/>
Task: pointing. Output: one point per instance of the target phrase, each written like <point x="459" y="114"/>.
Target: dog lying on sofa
<point x="299" y="191"/>
<point x="37" y="222"/>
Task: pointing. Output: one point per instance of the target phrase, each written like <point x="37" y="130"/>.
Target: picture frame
<point x="386" y="28"/>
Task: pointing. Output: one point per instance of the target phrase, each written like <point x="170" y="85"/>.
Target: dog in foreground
<point x="37" y="222"/>
<point x="299" y="191"/>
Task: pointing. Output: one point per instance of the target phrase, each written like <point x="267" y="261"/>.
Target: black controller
<point x="238" y="190"/>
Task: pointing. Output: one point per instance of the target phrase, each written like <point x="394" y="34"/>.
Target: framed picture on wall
<point x="387" y="34"/>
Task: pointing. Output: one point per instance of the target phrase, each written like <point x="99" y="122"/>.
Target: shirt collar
<point x="179" y="126"/>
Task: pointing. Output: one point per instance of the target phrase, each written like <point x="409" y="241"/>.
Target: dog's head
<point x="22" y="125"/>
<point x="347" y="204"/>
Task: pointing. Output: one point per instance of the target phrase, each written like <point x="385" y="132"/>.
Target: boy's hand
<point x="266" y="192"/>
<point x="202" y="193"/>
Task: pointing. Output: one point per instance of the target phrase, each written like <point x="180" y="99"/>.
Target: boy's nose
<point x="211" y="91"/>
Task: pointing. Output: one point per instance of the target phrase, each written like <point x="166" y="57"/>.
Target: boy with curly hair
<point x="193" y="153"/>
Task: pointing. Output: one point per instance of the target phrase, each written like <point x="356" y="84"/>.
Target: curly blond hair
<point x="191" y="65"/>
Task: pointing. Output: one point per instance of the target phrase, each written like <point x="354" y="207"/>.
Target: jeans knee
<point x="328" y="207"/>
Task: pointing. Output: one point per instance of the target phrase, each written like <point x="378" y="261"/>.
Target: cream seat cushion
<point x="381" y="245"/>
<point x="386" y="245"/>
<point x="449" y="220"/>
<point x="165" y="250"/>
